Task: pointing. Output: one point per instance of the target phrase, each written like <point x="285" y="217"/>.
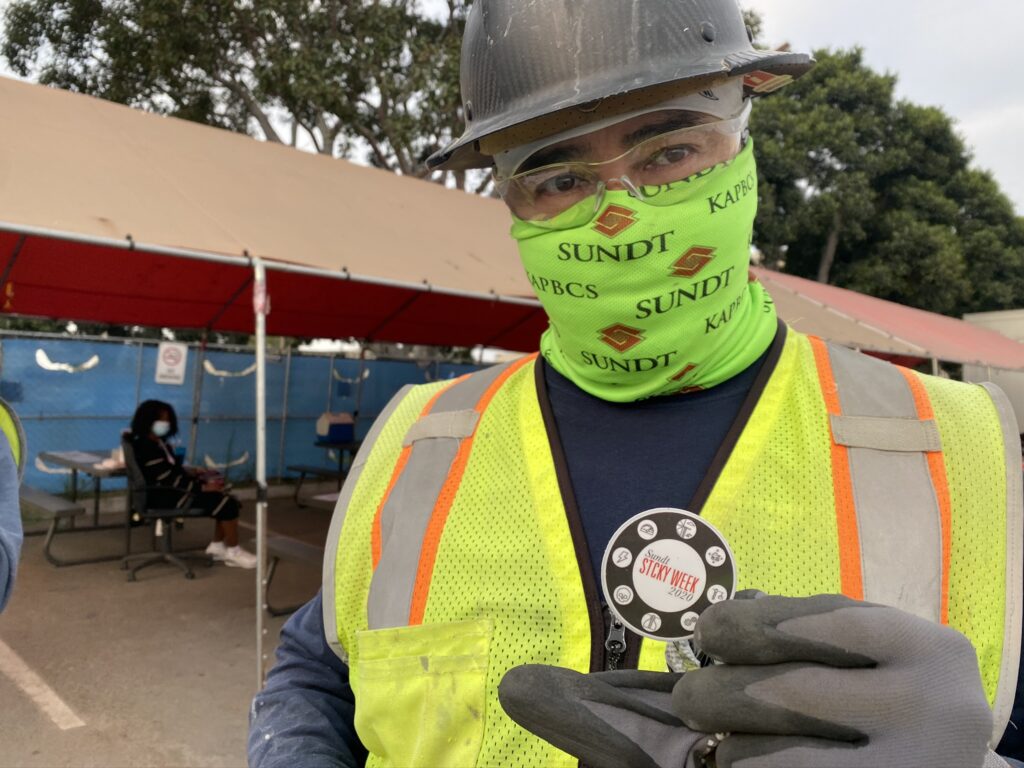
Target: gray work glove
<point x="617" y="719"/>
<point x="830" y="682"/>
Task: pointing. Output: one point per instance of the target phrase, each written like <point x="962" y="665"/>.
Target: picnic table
<point x="89" y="463"/>
<point x="344" y="448"/>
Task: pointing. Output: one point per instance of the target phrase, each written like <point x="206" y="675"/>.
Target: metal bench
<point x="55" y="509"/>
<point x="314" y="471"/>
<point x="284" y="548"/>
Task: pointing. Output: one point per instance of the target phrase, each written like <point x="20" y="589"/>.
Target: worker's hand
<point x="830" y="682"/>
<point x="214" y="484"/>
<point x="607" y="719"/>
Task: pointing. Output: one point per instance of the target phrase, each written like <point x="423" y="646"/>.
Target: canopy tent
<point x="114" y="215"/>
<point x="879" y="326"/>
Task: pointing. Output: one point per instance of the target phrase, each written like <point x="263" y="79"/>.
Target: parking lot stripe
<point x="36" y="689"/>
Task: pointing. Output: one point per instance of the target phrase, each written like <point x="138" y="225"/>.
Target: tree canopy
<point x="858" y="188"/>
<point x="369" y="78"/>
<point x="876" y="194"/>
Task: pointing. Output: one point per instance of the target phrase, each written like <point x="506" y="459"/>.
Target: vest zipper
<point x="615" y="644"/>
<point x="591" y="591"/>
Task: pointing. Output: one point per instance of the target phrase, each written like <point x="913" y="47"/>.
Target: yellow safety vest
<point x="10" y="425"/>
<point x="454" y="555"/>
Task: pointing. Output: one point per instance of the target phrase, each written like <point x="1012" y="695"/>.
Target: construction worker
<point x="12" y="454"/>
<point x="878" y="509"/>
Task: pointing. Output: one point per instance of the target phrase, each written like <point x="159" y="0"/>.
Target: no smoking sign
<point x="171" y="361"/>
<point x="662" y="569"/>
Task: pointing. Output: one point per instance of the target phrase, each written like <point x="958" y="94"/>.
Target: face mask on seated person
<point x="161" y="428"/>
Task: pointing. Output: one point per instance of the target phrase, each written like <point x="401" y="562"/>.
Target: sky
<point x="960" y="56"/>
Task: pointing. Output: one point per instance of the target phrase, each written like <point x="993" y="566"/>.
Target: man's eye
<point x="670" y="156"/>
<point x="559" y="185"/>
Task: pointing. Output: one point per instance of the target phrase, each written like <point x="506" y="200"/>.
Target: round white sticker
<point x="715" y="556"/>
<point x="622" y="557"/>
<point x="647" y="529"/>
<point x="686" y="529"/>
<point x="651" y="622"/>
<point x="662" y="569"/>
<point x="717" y="594"/>
<point x="623" y="595"/>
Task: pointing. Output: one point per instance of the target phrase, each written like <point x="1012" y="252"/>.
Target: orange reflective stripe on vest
<point x="851" y="578"/>
<point x="883" y="426"/>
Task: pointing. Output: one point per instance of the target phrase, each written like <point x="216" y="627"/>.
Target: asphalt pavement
<point x="98" y="671"/>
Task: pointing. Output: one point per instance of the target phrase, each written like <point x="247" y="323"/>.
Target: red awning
<point x="53" y="277"/>
<point x="110" y="214"/>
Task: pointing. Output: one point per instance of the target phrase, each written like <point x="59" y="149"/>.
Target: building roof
<point x="871" y="324"/>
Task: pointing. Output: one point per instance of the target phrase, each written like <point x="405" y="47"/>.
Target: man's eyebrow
<point x="564" y="154"/>
<point x="669" y="124"/>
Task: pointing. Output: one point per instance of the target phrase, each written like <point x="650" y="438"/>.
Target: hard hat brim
<point x="778" y="67"/>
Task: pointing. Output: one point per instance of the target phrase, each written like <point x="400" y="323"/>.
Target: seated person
<point x="153" y="424"/>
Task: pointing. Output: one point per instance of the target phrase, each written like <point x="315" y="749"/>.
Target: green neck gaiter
<point x="653" y="297"/>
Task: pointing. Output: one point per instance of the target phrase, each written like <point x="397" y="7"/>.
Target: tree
<point x="373" y="79"/>
<point x="878" y="195"/>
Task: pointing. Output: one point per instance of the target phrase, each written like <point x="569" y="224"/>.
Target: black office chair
<point x="162" y="518"/>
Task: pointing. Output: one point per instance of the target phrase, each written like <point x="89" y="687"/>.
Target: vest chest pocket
<point x="421" y="693"/>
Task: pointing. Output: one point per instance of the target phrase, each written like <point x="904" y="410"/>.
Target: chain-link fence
<point x="73" y="394"/>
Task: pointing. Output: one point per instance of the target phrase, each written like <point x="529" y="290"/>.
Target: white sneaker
<point x="216" y="550"/>
<point x="237" y="557"/>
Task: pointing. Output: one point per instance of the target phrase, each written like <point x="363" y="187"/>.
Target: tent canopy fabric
<point x="114" y="215"/>
<point x="100" y="202"/>
<point x="876" y="325"/>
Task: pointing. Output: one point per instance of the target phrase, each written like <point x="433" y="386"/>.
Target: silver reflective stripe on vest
<point x="886" y="434"/>
<point x="1014" y="564"/>
<point x="338" y="520"/>
<point x="898" y="518"/>
<point x="435" y="441"/>
<point x="456" y="424"/>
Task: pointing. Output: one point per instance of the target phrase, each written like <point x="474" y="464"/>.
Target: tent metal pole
<point x="10" y="262"/>
<point x="138" y="374"/>
<point x="330" y="384"/>
<point x="227" y="305"/>
<point x="393" y="316"/>
<point x="197" y="399"/>
<point x="284" y="413"/>
<point x="359" y="383"/>
<point x="261" y="307"/>
<point x="935" y="366"/>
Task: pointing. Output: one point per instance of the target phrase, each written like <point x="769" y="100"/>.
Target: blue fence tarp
<point x="80" y="395"/>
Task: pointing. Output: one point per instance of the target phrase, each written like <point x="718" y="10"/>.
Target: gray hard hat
<point x="549" y="63"/>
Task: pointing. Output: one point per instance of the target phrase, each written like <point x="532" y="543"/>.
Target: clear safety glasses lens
<point x="543" y="193"/>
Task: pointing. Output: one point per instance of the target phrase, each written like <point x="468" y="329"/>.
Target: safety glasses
<point x="645" y="170"/>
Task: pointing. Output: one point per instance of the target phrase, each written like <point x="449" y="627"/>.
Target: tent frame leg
<point x="261" y="307"/>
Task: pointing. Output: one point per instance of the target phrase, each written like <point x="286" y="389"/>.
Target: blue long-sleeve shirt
<point x="304" y="716"/>
<point x="10" y="521"/>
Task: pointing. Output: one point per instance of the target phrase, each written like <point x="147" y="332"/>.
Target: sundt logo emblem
<point x="615" y="220"/>
<point x="621" y="337"/>
<point x="682" y="375"/>
<point x="765" y="82"/>
<point x="693" y="261"/>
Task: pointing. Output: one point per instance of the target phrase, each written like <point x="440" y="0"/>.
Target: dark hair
<point x="147" y="413"/>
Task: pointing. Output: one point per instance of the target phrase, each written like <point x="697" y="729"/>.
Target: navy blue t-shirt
<point x="625" y="458"/>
